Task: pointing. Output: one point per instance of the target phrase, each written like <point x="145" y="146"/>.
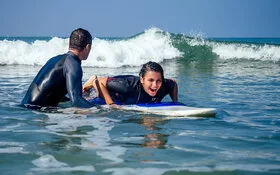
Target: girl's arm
<point x="174" y="93"/>
<point x="103" y="91"/>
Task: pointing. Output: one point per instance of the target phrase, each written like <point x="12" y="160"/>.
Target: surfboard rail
<point x="171" y="109"/>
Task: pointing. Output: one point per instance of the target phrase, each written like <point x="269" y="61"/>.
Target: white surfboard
<point x="171" y="109"/>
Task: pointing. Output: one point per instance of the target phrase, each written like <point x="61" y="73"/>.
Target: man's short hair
<point x="79" y="38"/>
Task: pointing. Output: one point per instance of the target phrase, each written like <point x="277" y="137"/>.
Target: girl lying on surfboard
<point x="149" y="87"/>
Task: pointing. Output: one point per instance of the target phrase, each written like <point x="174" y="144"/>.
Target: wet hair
<point x="151" y="66"/>
<point x="79" y="39"/>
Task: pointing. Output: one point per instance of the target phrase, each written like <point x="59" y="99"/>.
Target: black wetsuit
<point x="127" y="89"/>
<point x="60" y="75"/>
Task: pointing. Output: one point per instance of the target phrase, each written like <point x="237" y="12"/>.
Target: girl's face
<point x="151" y="82"/>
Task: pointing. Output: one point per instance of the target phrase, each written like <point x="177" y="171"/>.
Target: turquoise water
<point x="241" y="80"/>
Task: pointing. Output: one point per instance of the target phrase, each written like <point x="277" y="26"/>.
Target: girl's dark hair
<point x="151" y="66"/>
<point x="79" y="39"/>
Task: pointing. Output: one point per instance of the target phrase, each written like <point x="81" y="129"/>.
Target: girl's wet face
<point x="151" y="82"/>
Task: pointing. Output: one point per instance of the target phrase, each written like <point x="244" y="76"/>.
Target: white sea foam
<point x="12" y="147"/>
<point x="48" y="164"/>
<point x="189" y="150"/>
<point x="3" y="143"/>
<point x="131" y="171"/>
<point x="38" y="52"/>
<point x="66" y="123"/>
<point x="153" y="44"/>
<point x="240" y="51"/>
<point x="112" y="153"/>
<point x="11" y="127"/>
<point x="247" y="154"/>
<point x="194" y="168"/>
<point x="248" y="167"/>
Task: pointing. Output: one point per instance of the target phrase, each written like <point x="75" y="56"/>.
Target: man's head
<point x="81" y="40"/>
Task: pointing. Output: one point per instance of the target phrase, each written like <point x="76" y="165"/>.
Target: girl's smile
<point x="151" y="82"/>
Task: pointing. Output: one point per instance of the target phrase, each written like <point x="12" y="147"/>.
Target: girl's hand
<point x="89" y="83"/>
<point x="115" y="106"/>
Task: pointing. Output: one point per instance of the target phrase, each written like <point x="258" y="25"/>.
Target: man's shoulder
<point x="58" y="56"/>
<point x="54" y="60"/>
<point x="71" y="58"/>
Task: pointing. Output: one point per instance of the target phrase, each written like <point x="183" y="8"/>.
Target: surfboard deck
<point x="171" y="109"/>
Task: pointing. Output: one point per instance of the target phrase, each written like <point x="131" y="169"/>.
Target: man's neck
<point x="76" y="52"/>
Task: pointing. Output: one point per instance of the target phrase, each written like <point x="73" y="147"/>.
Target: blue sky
<point x="124" y="18"/>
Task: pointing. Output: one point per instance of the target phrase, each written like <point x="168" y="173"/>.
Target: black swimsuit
<point x="127" y="89"/>
<point x="60" y="75"/>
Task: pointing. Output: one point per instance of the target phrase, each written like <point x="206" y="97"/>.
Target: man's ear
<point x="88" y="46"/>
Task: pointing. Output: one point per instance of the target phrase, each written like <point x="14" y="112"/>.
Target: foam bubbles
<point x="146" y="171"/>
<point x="36" y="53"/>
<point x="153" y="44"/>
<point x="48" y="164"/>
<point x="253" y="52"/>
<point x="11" y="147"/>
<point x="241" y="51"/>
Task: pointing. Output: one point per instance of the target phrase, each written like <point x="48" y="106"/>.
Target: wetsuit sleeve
<point x="73" y="75"/>
<point x="120" y="84"/>
<point x="172" y="89"/>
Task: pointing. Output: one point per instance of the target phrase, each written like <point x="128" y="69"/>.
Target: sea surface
<point x="240" y="77"/>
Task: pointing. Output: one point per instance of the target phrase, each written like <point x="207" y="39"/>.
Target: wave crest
<point x="153" y="44"/>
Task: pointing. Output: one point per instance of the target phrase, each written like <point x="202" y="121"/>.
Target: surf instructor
<point x="62" y="74"/>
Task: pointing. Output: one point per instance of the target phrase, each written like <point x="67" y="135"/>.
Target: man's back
<point x="49" y="86"/>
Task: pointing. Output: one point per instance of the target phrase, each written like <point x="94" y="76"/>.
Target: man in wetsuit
<point x="62" y="74"/>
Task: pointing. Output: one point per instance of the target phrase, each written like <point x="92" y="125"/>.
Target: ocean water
<point x="240" y="77"/>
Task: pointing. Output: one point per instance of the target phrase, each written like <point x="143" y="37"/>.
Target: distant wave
<point x="228" y="49"/>
<point x="152" y="44"/>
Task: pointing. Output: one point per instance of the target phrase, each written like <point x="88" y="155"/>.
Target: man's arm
<point x="73" y="75"/>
